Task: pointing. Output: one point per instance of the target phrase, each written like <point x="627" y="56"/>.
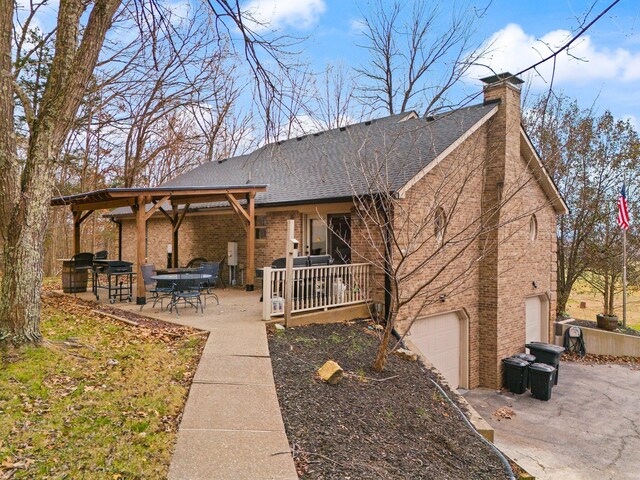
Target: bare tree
<point x="428" y="241"/>
<point x="415" y="59"/>
<point x="27" y="180"/>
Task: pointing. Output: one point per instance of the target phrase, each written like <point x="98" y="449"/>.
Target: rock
<point x="330" y="372"/>
<point x="279" y="327"/>
<point x="112" y="362"/>
<point x="406" y="354"/>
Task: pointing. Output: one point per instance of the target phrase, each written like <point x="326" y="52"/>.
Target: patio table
<point x="176" y="277"/>
<point x="170" y="271"/>
<point x="179" y="282"/>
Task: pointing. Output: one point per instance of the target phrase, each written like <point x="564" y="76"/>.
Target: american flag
<point x="623" y="211"/>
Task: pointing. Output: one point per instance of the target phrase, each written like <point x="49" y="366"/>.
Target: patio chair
<point x="221" y="269"/>
<point x="187" y="290"/>
<point x="213" y="269"/>
<point x="158" y="290"/>
<point x="196" y="262"/>
<point x="101" y="255"/>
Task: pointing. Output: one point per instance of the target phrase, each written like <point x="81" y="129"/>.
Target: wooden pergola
<point x="84" y="204"/>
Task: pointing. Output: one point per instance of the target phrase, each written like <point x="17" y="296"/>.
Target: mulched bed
<point x="593" y="324"/>
<point x="397" y="427"/>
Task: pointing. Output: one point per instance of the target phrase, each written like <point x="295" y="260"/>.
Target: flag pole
<point x="624" y="278"/>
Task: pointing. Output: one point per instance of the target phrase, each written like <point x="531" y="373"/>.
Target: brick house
<point x="487" y="311"/>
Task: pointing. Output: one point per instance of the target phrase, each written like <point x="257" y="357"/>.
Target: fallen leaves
<point x="504" y="413"/>
<point x="600" y="359"/>
<point x="74" y="407"/>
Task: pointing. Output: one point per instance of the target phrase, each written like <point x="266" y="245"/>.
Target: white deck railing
<point x="315" y="288"/>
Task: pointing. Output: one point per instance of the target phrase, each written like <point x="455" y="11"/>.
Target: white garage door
<point x="438" y="338"/>
<point x="533" y="314"/>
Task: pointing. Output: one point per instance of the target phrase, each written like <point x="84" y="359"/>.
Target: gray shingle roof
<point x="356" y="160"/>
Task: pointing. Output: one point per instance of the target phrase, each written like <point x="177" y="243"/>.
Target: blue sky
<point x="608" y="73"/>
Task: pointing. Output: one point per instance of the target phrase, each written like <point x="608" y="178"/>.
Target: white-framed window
<point x="533" y="228"/>
<point x="439" y="225"/>
<point x="261" y="227"/>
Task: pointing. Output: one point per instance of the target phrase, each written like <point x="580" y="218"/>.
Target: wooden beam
<point x="174" y="237"/>
<point x="242" y="213"/>
<point x="78" y="218"/>
<point x="178" y="217"/>
<point x="76" y="232"/>
<point x="176" y="226"/>
<point x="126" y="202"/>
<point x="251" y="241"/>
<point x="141" y="222"/>
<point x="184" y="193"/>
<point x="156" y="205"/>
<point x="85" y="216"/>
<point x="166" y="214"/>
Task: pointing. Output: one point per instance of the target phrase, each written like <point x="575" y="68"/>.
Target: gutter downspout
<point x="119" y="223"/>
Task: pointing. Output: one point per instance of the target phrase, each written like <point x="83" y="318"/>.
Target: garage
<point x="536" y="316"/>
<point x="441" y="338"/>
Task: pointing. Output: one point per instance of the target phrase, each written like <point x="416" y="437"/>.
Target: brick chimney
<point x="503" y="149"/>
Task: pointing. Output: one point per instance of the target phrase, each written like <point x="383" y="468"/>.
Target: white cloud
<point x="276" y="14"/>
<point x="512" y="49"/>
<point x="357" y="26"/>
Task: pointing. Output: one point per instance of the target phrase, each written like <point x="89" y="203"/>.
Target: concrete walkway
<point x="232" y="427"/>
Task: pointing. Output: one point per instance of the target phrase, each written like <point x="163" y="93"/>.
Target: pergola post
<point x="141" y="222"/>
<point x="175" y="229"/>
<point x="76" y="232"/>
<point x="251" y="241"/>
<point x="78" y="218"/>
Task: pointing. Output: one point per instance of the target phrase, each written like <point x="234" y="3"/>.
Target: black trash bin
<point x="526" y="357"/>
<point x="547" y="353"/>
<point x="541" y="376"/>
<point x="529" y="359"/>
<point x="515" y="374"/>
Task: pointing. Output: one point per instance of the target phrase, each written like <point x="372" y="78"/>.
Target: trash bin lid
<point x="546" y="347"/>
<point x="516" y="362"/>
<point x="526" y="357"/>
<point x="542" y="367"/>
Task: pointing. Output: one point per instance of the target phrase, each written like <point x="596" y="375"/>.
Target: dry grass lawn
<point x="582" y="292"/>
<point x="99" y="399"/>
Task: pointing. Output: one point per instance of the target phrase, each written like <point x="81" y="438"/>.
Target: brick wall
<point x="512" y="261"/>
<point x="454" y="185"/>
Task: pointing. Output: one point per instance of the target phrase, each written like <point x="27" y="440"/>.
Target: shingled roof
<point x="340" y="163"/>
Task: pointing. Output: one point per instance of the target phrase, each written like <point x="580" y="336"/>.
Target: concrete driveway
<point x="590" y="429"/>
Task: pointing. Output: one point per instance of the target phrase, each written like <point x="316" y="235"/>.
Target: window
<point x="533" y="228"/>
<point x="261" y="227"/>
<point x="439" y="225"/>
<point x="318" y="237"/>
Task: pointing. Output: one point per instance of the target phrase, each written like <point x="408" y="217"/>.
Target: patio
<point x="233" y="301"/>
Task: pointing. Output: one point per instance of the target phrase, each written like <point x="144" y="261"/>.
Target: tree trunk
<point x="561" y="305"/>
<point x="23" y="254"/>
<point x="383" y="349"/>
<point x="610" y="300"/>
<point x="605" y="295"/>
<point x="27" y="187"/>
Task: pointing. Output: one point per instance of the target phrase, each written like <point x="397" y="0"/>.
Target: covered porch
<point x="171" y="202"/>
